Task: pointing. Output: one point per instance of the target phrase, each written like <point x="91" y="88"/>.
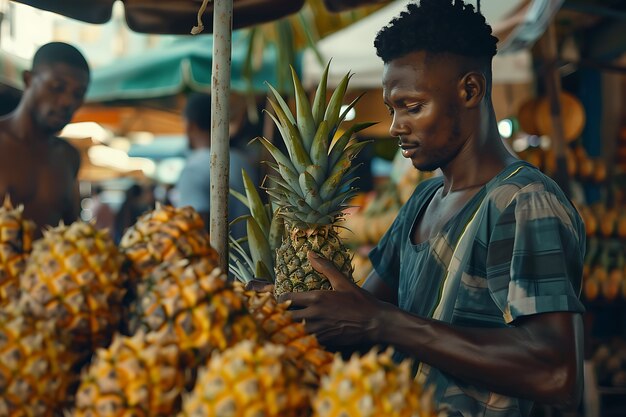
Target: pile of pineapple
<point x="153" y="327"/>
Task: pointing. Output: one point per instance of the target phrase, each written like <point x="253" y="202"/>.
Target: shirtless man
<point x="37" y="168"/>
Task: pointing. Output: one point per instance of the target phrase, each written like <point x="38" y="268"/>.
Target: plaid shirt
<point x="526" y="259"/>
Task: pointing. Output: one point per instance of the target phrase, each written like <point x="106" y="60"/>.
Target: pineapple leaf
<point x="334" y="179"/>
<point x="291" y="137"/>
<point x="258" y="245"/>
<point x="350" y="107"/>
<point x="336" y="100"/>
<point x="255" y="204"/>
<point x="263" y="272"/>
<point x="329" y="207"/>
<point x="319" y="148"/>
<point x="242" y="198"/>
<point x="278" y="156"/>
<point x="319" y="102"/>
<point x="283" y="105"/>
<point x="310" y="189"/>
<point x="277" y="231"/>
<point x="340" y="145"/>
<point x="291" y="178"/>
<point x="304" y="116"/>
<point x="317" y="172"/>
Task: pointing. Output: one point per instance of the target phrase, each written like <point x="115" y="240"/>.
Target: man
<point x="38" y="169"/>
<point x="510" y="332"/>
<point x="194" y="185"/>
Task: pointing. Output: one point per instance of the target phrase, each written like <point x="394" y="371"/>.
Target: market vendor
<point x="37" y="168"/>
<point x="478" y="277"/>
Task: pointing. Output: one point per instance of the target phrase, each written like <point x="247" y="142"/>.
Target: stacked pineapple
<point x="16" y="237"/>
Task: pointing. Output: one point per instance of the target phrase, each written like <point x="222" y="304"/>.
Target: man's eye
<point x="414" y="109"/>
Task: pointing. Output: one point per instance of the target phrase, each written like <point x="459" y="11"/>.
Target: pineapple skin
<point x="372" y="385"/>
<point x="16" y="239"/>
<point x="194" y="301"/>
<point x="279" y="328"/>
<point x="294" y="272"/>
<point x="135" y="376"/>
<point x="33" y="366"/>
<point x="73" y="278"/>
<point x="166" y="234"/>
<point x="249" y="380"/>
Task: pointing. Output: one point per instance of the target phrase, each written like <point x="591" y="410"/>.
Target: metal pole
<point x="220" y="98"/>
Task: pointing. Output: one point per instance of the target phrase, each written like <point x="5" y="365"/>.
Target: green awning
<point x="182" y="65"/>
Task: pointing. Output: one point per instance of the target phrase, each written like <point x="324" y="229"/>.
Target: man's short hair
<point x="59" y="52"/>
<point x="198" y="110"/>
<point x="437" y="26"/>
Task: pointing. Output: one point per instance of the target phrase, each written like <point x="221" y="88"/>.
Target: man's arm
<point x="539" y="358"/>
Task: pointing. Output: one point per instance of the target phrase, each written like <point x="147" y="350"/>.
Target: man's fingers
<point x="330" y="271"/>
<point x="259" y="286"/>
<point x="299" y="299"/>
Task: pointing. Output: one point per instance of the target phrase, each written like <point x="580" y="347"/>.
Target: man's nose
<point x="398" y="127"/>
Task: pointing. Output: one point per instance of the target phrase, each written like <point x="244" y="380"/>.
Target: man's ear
<point x="473" y="89"/>
<point x="27" y="77"/>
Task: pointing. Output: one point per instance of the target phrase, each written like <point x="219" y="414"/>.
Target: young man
<point x="194" y="185"/>
<point x="38" y="169"/>
<point x="509" y="333"/>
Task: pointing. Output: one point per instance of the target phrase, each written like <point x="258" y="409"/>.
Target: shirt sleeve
<point x="535" y="256"/>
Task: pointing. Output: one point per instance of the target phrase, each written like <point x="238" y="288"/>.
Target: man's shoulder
<point x="67" y="150"/>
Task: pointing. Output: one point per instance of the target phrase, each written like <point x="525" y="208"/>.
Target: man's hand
<point x="260" y="285"/>
<point x="346" y="316"/>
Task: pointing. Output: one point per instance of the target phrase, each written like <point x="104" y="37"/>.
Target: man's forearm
<point x="538" y="361"/>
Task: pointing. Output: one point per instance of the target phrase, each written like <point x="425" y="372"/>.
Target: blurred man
<point x="194" y="185"/>
<point x="37" y="168"/>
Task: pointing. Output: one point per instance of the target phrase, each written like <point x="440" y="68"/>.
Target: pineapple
<point x="32" y="366"/>
<point x="249" y="380"/>
<point x="198" y="304"/>
<point x="370" y="386"/>
<point x="73" y="279"/>
<point x="280" y="329"/>
<point x="312" y="185"/>
<point x="165" y="234"/>
<point x="135" y="376"/>
<point x="16" y="238"/>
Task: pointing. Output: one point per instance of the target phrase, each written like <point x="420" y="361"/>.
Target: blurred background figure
<point x="130" y="210"/>
<point x="102" y="213"/>
<point x="194" y="185"/>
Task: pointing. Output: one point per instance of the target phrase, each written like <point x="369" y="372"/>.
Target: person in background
<point x="37" y="168"/>
<point x="130" y="210"/>
<point x="478" y="279"/>
<point x="103" y="214"/>
<point x="194" y="185"/>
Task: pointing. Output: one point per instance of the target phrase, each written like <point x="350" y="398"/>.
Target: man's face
<point x="57" y="91"/>
<point x="422" y="95"/>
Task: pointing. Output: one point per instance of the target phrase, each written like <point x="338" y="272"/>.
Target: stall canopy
<point x="183" y="65"/>
<point x="168" y="16"/>
<point x="516" y="23"/>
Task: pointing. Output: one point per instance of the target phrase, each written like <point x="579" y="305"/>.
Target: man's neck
<point x="21" y="126"/>
<point x="482" y="157"/>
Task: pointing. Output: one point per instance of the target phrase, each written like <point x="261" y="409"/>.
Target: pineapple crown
<point x="314" y="178"/>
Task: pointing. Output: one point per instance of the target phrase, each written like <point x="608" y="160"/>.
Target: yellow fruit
<point x="196" y="302"/>
<point x="278" y="327"/>
<point x="16" y="237"/>
<point x="166" y="234"/>
<point x="32" y="367"/>
<point x="135" y="376"/>
<point x="371" y="386"/>
<point x="249" y="380"/>
<point x="591" y="289"/>
<point x="73" y="279"/>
